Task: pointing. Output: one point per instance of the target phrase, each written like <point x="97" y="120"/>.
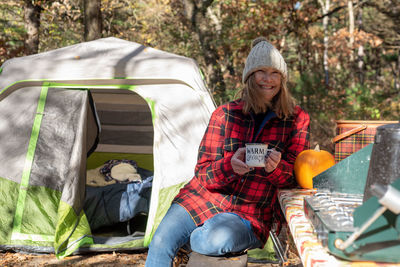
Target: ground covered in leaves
<point x="103" y="259"/>
<point x="118" y="259"/>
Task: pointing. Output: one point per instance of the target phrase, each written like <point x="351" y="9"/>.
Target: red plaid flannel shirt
<point x="216" y="188"/>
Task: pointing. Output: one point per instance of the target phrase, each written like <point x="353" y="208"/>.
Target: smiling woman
<point x="268" y="81"/>
<point x="264" y="78"/>
<point x="229" y="206"/>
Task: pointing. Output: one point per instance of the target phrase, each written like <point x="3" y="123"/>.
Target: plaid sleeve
<point x="282" y="176"/>
<point x="214" y="169"/>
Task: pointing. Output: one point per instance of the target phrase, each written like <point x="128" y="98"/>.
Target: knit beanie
<point x="263" y="54"/>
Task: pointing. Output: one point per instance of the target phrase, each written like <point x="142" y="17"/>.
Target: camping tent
<point x="115" y="98"/>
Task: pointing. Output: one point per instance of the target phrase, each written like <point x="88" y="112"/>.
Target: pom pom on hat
<point x="257" y="40"/>
<point x="263" y="54"/>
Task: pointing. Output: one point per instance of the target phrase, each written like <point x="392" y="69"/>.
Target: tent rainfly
<point x="67" y="111"/>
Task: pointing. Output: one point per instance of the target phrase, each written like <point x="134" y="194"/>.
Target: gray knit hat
<point x="263" y="54"/>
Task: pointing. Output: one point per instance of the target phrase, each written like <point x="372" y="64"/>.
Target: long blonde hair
<point x="282" y="104"/>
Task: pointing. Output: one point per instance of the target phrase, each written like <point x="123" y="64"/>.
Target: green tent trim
<point x="78" y="86"/>
<point x="72" y="231"/>
<point x="16" y="230"/>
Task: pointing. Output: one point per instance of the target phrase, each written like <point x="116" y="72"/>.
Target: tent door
<point x="126" y="134"/>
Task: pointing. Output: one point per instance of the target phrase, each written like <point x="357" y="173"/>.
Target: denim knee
<point x="224" y="233"/>
<point x="217" y="241"/>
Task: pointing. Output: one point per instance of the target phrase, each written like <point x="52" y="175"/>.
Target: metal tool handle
<point x="356" y="234"/>
<point x="389" y="197"/>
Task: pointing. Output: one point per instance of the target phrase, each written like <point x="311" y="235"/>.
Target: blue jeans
<point x="222" y="234"/>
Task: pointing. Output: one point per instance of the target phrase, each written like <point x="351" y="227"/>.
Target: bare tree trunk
<point x="325" y="22"/>
<point x="397" y="81"/>
<point x="360" y="52"/>
<point x="32" y="24"/>
<point x="351" y="40"/>
<point x="92" y="19"/>
<point x="206" y="25"/>
<point x="351" y="28"/>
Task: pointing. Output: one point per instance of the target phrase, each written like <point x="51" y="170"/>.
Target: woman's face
<point x="268" y="81"/>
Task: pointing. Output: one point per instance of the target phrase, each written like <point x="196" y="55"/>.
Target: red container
<point x="352" y="135"/>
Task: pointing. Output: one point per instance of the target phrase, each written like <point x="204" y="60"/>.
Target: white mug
<point x="256" y="154"/>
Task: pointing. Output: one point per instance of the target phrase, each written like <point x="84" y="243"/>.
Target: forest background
<point x="342" y="55"/>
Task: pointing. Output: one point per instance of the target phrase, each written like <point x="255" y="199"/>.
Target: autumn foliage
<point x="343" y="64"/>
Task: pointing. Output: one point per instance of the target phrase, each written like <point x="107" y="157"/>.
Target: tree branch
<point x="333" y="11"/>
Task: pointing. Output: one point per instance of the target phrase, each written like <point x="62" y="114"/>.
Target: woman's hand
<point x="237" y="162"/>
<point x="272" y="161"/>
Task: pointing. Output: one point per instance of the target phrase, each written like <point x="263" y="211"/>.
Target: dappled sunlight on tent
<point x="80" y="109"/>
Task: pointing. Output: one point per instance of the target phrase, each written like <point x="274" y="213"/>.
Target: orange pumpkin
<point x="309" y="163"/>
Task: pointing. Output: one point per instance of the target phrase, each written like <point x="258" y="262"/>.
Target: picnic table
<point x="310" y="249"/>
